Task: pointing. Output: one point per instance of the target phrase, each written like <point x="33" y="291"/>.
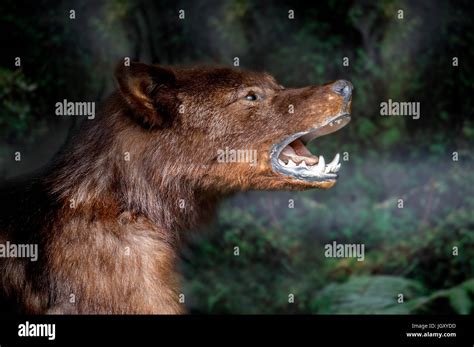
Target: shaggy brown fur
<point x="108" y="215"/>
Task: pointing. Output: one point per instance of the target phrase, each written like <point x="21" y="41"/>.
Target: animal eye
<point x="251" y="97"/>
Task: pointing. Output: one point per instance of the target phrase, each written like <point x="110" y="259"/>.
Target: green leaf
<point x="368" y="295"/>
<point x="460" y="301"/>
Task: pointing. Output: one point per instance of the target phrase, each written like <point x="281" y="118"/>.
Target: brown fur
<point x="115" y="249"/>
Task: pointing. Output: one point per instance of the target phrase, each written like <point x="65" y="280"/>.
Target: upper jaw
<point x="320" y="172"/>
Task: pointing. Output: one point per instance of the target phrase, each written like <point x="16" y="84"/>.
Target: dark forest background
<point x="408" y="250"/>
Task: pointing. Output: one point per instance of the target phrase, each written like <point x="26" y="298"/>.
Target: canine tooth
<point x="321" y="164"/>
<point x="336" y="169"/>
<point x="291" y="163"/>
<point x="334" y="162"/>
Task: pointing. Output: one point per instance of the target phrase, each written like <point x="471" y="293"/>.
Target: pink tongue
<point x="297" y="152"/>
<point x="288" y="151"/>
<point x="301" y="149"/>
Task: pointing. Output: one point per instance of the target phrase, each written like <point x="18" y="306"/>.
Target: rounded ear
<point x="149" y="92"/>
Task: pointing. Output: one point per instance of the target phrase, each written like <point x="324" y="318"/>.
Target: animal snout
<point x="343" y="88"/>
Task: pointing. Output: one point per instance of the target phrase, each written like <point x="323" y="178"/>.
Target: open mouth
<point x="291" y="157"/>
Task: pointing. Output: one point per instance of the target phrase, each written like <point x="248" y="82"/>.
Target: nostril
<point x="342" y="87"/>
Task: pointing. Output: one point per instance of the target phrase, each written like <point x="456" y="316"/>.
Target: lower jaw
<point x="293" y="184"/>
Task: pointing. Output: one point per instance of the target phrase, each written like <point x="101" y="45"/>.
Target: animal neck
<point x="93" y="175"/>
<point x="102" y="189"/>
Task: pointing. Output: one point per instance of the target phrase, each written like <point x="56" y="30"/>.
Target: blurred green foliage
<point x="16" y="94"/>
<point x="282" y="249"/>
<point x="408" y="250"/>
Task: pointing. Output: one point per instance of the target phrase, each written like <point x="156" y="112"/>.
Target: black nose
<point x="343" y="87"/>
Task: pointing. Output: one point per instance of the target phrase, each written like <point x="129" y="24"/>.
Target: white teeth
<point x="315" y="170"/>
<point x="331" y="124"/>
<point x="335" y="160"/>
<point x="332" y="165"/>
<point x="321" y="165"/>
<point x="339" y="121"/>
